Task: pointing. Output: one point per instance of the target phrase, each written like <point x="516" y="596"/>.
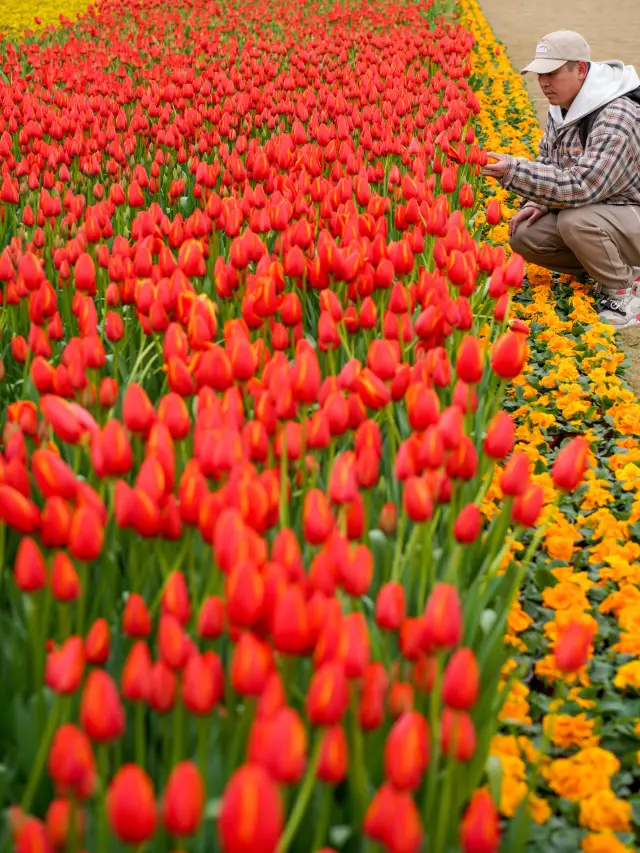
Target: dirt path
<point x="613" y="33"/>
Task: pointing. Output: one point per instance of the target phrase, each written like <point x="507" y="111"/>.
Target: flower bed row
<point x="588" y="567"/>
<point x="260" y="502"/>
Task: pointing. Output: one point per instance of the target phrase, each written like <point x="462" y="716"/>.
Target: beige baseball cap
<point x="556" y="49"/>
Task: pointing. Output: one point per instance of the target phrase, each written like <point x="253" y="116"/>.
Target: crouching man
<point x="582" y="193"/>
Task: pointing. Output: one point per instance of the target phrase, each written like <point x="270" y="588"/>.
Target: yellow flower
<point x="628" y="676"/>
<point x="567" y="731"/>
<point x="581" y="775"/>
<point x="604" y="842"/>
<point x="565" y="596"/>
<point x="518" y="620"/>
<point x="605" y="811"/>
<point x="539" y="809"/>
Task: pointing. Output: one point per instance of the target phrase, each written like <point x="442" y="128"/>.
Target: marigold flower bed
<point x="264" y="513"/>
<point x="589" y="566"/>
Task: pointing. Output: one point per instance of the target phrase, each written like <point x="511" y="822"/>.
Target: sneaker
<point x="620" y="308"/>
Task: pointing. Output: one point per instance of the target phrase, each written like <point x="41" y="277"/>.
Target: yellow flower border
<point x="583" y="383"/>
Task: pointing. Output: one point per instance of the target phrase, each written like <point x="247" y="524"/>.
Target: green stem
<point x="103" y="768"/>
<point x="357" y="776"/>
<point x="284" y="506"/>
<point x="322" y="824"/>
<point x="395" y="571"/>
<point x="432" y="781"/>
<point x="41" y="757"/>
<point x="302" y="801"/>
<point x="140" y="734"/>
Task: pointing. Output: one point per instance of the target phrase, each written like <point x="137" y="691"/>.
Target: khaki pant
<point x="601" y="239"/>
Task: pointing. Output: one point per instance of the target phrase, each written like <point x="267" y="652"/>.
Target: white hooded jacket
<point x="607" y="168"/>
<point x="605" y="82"/>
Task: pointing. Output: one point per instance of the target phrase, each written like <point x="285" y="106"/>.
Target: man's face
<point x="562" y="86"/>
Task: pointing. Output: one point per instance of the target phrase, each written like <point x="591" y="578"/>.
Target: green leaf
<point x="544" y="578"/>
<point x="494" y="776"/>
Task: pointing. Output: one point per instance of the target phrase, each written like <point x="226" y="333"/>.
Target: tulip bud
<point x="251" y="665"/>
<point x="469" y="361"/>
<point x="406" y="752"/>
<point x="515" y="477"/>
<point x="527" y="506"/>
<point x="500" y="436"/>
<point x="97" y="644"/>
<point x="65" y="666"/>
<point x="390" y="606"/>
<point x="328" y="694"/>
<point x="243" y="829"/>
<point x="416" y="499"/>
<point x="494" y="212"/>
<point x="334" y="756"/>
<point x="400" y="698"/>
<point x="572" y="648"/>
<point x="509" y="355"/>
<point x="212" y="618"/>
<point x="175" y="598"/>
<point x="480" y="828"/>
<point x="30" y="570"/>
<point x="393" y="819"/>
<point x="183" y="801"/>
<point x="202" y="682"/>
<point x="461" y="682"/>
<point x="372" y="698"/>
<point x="101" y="711"/>
<point x="467" y="525"/>
<point x="570" y="465"/>
<point x="136" y="621"/>
<point x="58" y="822"/>
<point x="136" y="673"/>
<point x="317" y="518"/>
<point x="457" y="735"/>
<point x="163" y="687"/>
<point x="131" y="805"/>
<point x="65" y="583"/>
<point x="290" y="627"/>
<point x="443" y="615"/>
<point x="72" y="764"/>
<point x="388" y="518"/>
<point x="279" y="743"/>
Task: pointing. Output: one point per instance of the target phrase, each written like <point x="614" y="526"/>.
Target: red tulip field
<point x="304" y="477"/>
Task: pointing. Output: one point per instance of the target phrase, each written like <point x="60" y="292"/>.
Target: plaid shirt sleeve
<point x="605" y="168"/>
<point x="544" y="153"/>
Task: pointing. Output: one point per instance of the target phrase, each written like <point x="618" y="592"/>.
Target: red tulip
<point x="183" y="801"/>
<point x="500" y="436"/>
<point x="406" y="752"/>
<point x="29" y="569"/>
<point x="334" y="756"/>
<point x="328" y="695"/>
<point x="390" y="606"/>
<point x="101" y="712"/>
<point x="443" y="614"/>
<point x="461" y="682"/>
<point x="570" y="464"/>
<point x="131" y="805"/>
<point x="251" y="813"/>
<point x="509" y="355"/>
<point x="572" y="648"/>
<point x="457" y="734"/>
<point x="480" y="829"/>
<point x="71" y="762"/>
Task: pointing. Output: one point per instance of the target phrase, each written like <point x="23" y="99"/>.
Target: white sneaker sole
<point x="633" y="321"/>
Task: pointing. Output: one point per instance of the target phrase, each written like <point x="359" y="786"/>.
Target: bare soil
<point x="613" y="33"/>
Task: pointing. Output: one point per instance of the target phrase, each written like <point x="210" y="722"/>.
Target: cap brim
<point x="543" y="66"/>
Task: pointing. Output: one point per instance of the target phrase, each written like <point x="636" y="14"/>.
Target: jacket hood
<point x="605" y="82"/>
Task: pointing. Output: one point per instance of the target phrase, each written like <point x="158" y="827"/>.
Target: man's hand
<point x="497" y="169"/>
<point x="530" y="212"/>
